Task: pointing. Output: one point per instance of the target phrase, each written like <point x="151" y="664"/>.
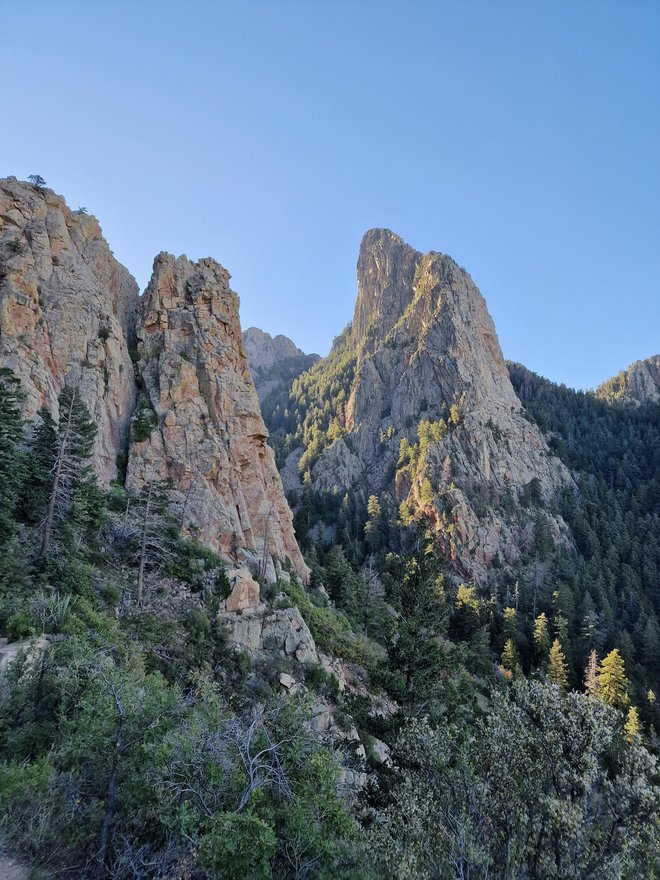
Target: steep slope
<point x="640" y="383"/>
<point x="207" y="435"/>
<point x="67" y="313"/>
<point x="426" y="413"/>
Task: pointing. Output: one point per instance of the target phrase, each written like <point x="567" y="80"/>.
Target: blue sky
<point x="521" y="138"/>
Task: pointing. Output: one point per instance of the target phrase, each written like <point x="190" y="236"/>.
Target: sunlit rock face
<point x="640" y="383"/>
<point x="427" y="350"/>
<point x="67" y="313"/>
<point x="208" y="437"/>
<point x="71" y="314"/>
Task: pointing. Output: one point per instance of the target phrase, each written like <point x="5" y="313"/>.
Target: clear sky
<point x="521" y="138"/>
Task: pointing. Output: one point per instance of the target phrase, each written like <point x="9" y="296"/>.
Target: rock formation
<point x="274" y="361"/>
<point x="67" y="313"/>
<point x="640" y="383"/>
<point x="71" y="314"/>
<point x="207" y="435"/>
<point x="265" y="351"/>
<point x="426" y="350"/>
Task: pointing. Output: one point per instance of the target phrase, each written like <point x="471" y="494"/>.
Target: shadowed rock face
<point x="265" y="351"/>
<point x="640" y="383"/>
<point x="209" y="437"/>
<point x="274" y="362"/>
<point x="67" y="313"/>
<point x="425" y="341"/>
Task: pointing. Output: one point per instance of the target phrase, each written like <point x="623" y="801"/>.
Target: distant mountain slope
<point x="640" y="383"/>
<point x="275" y="362"/>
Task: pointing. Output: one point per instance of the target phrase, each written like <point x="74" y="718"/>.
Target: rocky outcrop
<point x="67" y="313"/>
<point x="640" y="383"/>
<point x="71" y="314"/>
<point x="283" y="630"/>
<point x="274" y="363"/>
<point x="430" y="372"/>
<point x="265" y="351"/>
<point x="204" y="430"/>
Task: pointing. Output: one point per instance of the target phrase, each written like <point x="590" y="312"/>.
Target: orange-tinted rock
<point x="208" y="437"/>
<point x="67" y="310"/>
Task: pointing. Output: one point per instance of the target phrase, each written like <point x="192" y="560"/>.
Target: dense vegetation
<point x="310" y="411"/>
<point x="135" y="742"/>
<point x="609" y="591"/>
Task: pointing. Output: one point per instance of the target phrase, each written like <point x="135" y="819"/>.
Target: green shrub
<point x="238" y="845"/>
<point x="144" y="420"/>
<point x="21" y="625"/>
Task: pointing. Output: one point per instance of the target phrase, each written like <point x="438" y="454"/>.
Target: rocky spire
<point x="208" y="436"/>
<point x="385" y="270"/>
<point x="427" y="350"/>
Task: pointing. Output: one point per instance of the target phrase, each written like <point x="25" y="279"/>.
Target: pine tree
<point x="75" y="438"/>
<point x="590" y="676"/>
<point x="631" y="728"/>
<point x="11" y="431"/>
<point x="150" y="528"/>
<point x="557" y="667"/>
<point x="541" y="639"/>
<point x="37" y="476"/>
<point x="374" y="529"/>
<point x="612" y="681"/>
<point x="509" y="658"/>
<point x="510" y="625"/>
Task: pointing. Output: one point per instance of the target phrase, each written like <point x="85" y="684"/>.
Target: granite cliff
<point x="67" y="313"/>
<point x="71" y="314"/>
<point x="427" y="413"/>
<point x="208" y="436"/>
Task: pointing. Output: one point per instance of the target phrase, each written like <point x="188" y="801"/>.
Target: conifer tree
<point x="509" y="658"/>
<point x="590" y="676"/>
<point x="374" y="529"/>
<point x="612" y="681"/>
<point x="11" y="430"/>
<point x="631" y="728"/>
<point x="73" y="449"/>
<point x="557" y="667"/>
<point x="150" y="527"/>
<point x="541" y="639"/>
<point x="37" y="476"/>
<point x="510" y="625"/>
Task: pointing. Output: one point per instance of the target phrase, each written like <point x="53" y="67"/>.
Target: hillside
<point x="457" y="678"/>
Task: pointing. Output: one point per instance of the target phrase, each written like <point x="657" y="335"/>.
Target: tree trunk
<point x="143" y="549"/>
<point x="101" y="870"/>
<point x="110" y="800"/>
<point x="45" y="544"/>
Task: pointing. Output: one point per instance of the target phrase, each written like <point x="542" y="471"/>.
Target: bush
<point x="21" y="625"/>
<point x="238" y="845"/>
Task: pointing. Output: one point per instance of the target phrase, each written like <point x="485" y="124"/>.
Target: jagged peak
<point x="391" y="275"/>
<point x="385" y="269"/>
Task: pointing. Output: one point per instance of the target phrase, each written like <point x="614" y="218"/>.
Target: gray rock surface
<point x="283" y="630"/>
<point x="425" y="342"/>
<point x="640" y="383"/>
<point x="208" y="438"/>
